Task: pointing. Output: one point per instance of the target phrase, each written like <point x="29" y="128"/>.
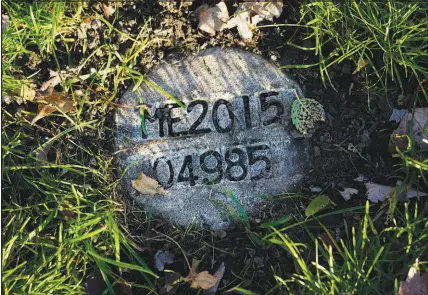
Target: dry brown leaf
<point x="42" y="155"/>
<point x="414" y="283"/>
<point x="54" y="80"/>
<point x="55" y="101"/>
<point x="416" y="122"/>
<point x="27" y="93"/>
<point x="148" y="186"/>
<point x="248" y="14"/>
<point x="202" y="280"/>
<point x="214" y="19"/>
<point x="378" y="193"/>
<point x="218" y="275"/>
<point x="108" y="10"/>
<point x="348" y="192"/>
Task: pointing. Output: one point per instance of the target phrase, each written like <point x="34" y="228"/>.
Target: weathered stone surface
<point x="231" y="134"/>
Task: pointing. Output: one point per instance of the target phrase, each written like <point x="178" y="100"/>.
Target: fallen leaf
<point x="242" y="20"/>
<point x="84" y="26"/>
<point x="27" y="93"/>
<point x="108" y="10"/>
<point x="42" y="154"/>
<point x="202" y="280"/>
<point x="417" y="123"/>
<point x="348" y="192"/>
<point x="316" y="205"/>
<point x="54" y="80"/>
<point x="305" y="112"/>
<point x="55" y="101"/>
<point x="378" y="193"/>
<point x="397" y="115"/>
<point x="315" y="189"/>
<point x="414" y="283"/>
<point x="248" y="14"/>
<point x="266" y="10"/>
<point x="162" y="258"/>
<point x="148" y="186"/>
<point x="218" y="275"/>
<point x="214" y="19"/>
<point x="361" y="178"/>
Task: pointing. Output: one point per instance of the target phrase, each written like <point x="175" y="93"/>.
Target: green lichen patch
<point x="305" y="112"/>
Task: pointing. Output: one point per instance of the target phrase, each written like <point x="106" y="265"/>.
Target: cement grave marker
<point x="232" y="133"/>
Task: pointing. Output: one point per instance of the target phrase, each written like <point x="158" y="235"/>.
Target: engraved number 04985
<point x="236" y="160"/>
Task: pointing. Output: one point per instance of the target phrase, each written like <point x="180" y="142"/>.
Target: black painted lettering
<point x="216" y="106"/>
<point x="240" y="162"/>
<point x="171" y="120"/>
<point x="193" y="129"/>
<point x="170" y="168"/>
<point x="187" y="165"/>
<point x="252" y="159"/>
<point x="247" y="111"/>
<point x="160" y="114"/>
<point x="217" y="169"/>
<point x="267" y="104"/>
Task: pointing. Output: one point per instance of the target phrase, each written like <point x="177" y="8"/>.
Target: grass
<point x="63" y="218"/>
<point x="60" y="221"/>
<point x="366" y="258"/>
<point x="386" y="40"/>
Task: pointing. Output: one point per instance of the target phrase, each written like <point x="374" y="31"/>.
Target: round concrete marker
<point x="229" y="136"/>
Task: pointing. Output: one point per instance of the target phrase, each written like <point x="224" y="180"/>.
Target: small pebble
<point x="315" y="189"/>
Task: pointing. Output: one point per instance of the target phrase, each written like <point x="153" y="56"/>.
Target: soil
<point x="352" y="142"/>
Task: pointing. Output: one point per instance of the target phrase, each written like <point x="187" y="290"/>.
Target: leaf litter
<point x="54" y="80"/>
<point x="415" y="284"/>
<point x="108" y="10"/>
<point x="377" y="193"/>
<point x="27" y="93"/>
<point x="161" y="258"/>
<point x="246" y="17"/>
<point x="415" y="123"/>
<point x="51" y="103"/>
<point x="218" y="275"/>
<point x="249" y="14"/>
<point x="316" y="205"/>
<point x="214" y="19"/>
<point x="148" y="186"/>
<point x="348" y="192"/>
<point x="202" y="280"/>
